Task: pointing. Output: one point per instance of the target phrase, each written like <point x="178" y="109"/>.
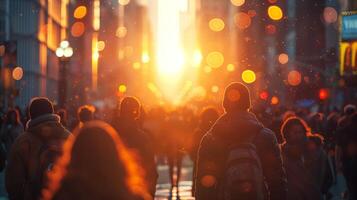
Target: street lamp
<point x="64" y="52"/>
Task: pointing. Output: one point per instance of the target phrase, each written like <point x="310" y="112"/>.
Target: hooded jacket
<point x="231" y="129"/>
<point x="19" y="175"/>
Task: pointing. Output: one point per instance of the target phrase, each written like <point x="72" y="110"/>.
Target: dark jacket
<point x="139" y="142"/>
<point x="231" y="129"/>
<point x="19" y="176"/>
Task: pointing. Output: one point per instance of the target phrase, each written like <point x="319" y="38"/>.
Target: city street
<point x="163" y="186"/>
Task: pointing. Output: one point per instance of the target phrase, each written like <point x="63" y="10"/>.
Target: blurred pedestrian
<point x="85" y="114"/>
<point x="136" y="139"/>
<point x="11" y="129"/>
<point x="108" y="172"/>
<point x="34" y="152"/>
<point x="62" y="113"/>
<point x="239" y="156"/>
<point x="301" y="183"/>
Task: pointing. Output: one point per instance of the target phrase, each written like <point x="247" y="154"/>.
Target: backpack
<point x="242" y="178"/>
<point x="47" y="153"/>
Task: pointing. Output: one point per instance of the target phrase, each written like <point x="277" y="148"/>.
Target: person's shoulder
<point x="22" y="142"/>
<point x="266" y="135"/>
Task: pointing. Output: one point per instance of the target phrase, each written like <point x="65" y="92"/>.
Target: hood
<point x="236" y="126"/>
<point x="46" y="126"/>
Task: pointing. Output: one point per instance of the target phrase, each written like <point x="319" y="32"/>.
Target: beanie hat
<point x="236" y="97"/>
<point x="40" y="106"/>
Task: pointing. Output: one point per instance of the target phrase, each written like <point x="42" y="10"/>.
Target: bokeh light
<point x="283" y="58"/>
<point x="59" y="52"/>
<point x="124" y="2"/>
<point x="80" y="12"/>
<point x="207" y="69"/>
<point x="270" y="29"/>
<point x="215" y="89"/>
<point x="68" y="52"/>
<point x="121" y="32"/>
<point x="230" y="67"/>
<point x="274" y="100"/>
<point x="252" y="13"/>
<point x="264" y="95"/>
<point x="275" y="13"/>
<point x="145" y="58"/>
<point x="330" y="15"/>
<point x="17" y="73"/>
<point x="100" y="45"/>
<point x="237" y="2"/>
<point x="122" y="88"/>
<point x="215" y="59"/>
<point x="272" y="1"/>
<point x="248" y="76"/>
<point x="77" y="29"/>
<point x="242" y="20"/>
<point x="136" y="65"/>
<point x="324" y="94"/>
<point x="208" y="181"/>
<point x="294" y="78"/>
<point x="216" y="24"/>
<point x="197" y="58"/>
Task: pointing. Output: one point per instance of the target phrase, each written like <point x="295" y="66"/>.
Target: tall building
<point x="32" y="30"/>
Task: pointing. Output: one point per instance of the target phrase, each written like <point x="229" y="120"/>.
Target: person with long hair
<point x="96" y="165"/>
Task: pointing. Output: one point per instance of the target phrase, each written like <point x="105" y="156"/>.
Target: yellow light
<point x="145" y="58"/>
<point x="197" y="58"/>
<point x="215" y="59"/>
<point x="124" y="2"/>
<point x="216" y="24"/>
<point x="283" y="58"/>
<point x="215" y="89"/>
<point x="208" y="69"/>
<point x="237" y="2"/>
<point x="121" y="32"/>
<point x="96" y="15"/>
<point x="17" y="73"/>
<point x="96" y="55"/>
<point x="122" y="88"/>
<point x="248" y="76"/>
<point x="80" y="12"/>
<point x="230" y="67"/>
<point x="136" y="65"/>
<point x="100" y="45"/>
<point x="275" y="12"/>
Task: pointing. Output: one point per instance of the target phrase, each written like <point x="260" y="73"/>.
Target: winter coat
<point x="231" y="129"/>
<point x="140" y="144"/>
<point x="301" y="184"/>
<point x="23" y="159"/>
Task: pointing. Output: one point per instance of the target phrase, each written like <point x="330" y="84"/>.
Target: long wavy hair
<point x="96" y="165"/>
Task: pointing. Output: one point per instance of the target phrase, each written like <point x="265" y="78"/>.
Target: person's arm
<point x="272" y="164"/>
<point x="15" y="174"/>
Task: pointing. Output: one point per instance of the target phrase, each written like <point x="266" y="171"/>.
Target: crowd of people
<point x="237" y="153"/>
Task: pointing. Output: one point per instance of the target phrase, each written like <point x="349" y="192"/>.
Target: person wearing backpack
<point x="239" y="158"/>
<point x="34" y="152"/>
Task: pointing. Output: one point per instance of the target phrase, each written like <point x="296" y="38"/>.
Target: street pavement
<point x="184" y="190"/>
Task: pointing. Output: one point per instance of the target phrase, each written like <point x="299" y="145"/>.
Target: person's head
<point x="85" y="113"/>
<point x="96" y="159"/>
<point x="349" y="109"/>
<point x="236" y="98"/>
<point x="13" y="116"/>
<point x="130" y="108"/>
<point x="315" y="142"/>
<point x="295" y="131"/>
<point x="40" y="106"/>
<point x="208" y="116"/>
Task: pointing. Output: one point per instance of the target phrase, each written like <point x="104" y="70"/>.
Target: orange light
<point x="275" y="13"/>
<point x="145" y="58"/>
<point x="17" y="73"/>
<point x="136" y="65"/>
<point x="216" y="24"/>
<point x="283" y="58"/>
<point x="270" y="29"/>
<point x="237" y="2"/>
<point x="330" y="15"/>
<point x="80" y="12"/>
<point x="252" y="13"/>
<point x="122" y="88"/>
<point x="215" y="59"/>
<point x="208" y="181"/>
<point x="100" y="45"/>
<point x="77" y="29"/>
<point x="248" y="76"/>
<point x="264" y="95"/>
<point x="230" y="67"/>
<point x="274" y="100"/>
<point x="242" y="20"/>
<point x="208" y="69"/>
<point x="294" y="78"/>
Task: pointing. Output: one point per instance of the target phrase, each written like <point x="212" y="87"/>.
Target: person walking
<point x="239" y="156"/>
<point x="11" y="129"/>
<point x="33" y="154"/>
